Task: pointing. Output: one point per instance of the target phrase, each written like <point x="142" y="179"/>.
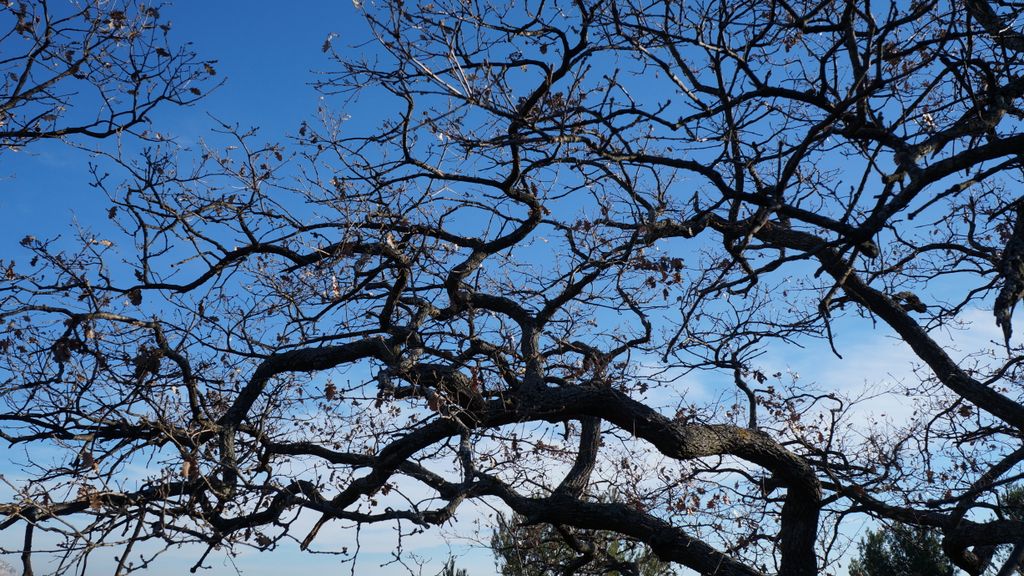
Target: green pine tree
<point x="901" y="550"/>
<point x="450" y="569"/>
<point x="541" y="550"/>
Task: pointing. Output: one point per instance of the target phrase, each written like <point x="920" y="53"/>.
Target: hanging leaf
<point x="330" y="38"/>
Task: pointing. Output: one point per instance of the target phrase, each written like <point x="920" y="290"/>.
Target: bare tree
<point x="91" y="69"/>
<point x="567" y="211"/>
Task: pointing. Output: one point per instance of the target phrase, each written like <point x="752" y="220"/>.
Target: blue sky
<point x="268" y="53"/>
